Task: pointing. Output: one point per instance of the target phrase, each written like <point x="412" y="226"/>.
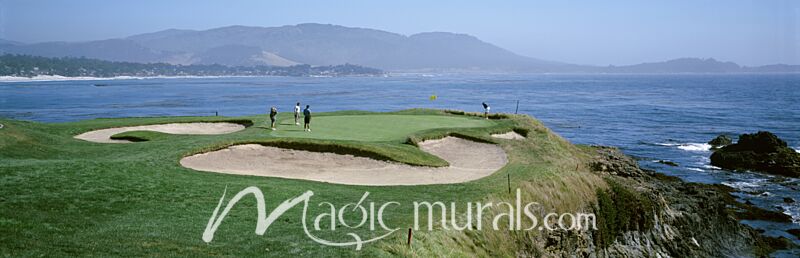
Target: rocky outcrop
<point x="721" y="141"/>
<point x="612" y="161"/>
<point x="668" y="162"/>
<point x="646" y="214"/>
<point x="762" y="152"/>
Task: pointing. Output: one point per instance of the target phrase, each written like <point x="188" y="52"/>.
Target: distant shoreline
<point x="47" y="78"/>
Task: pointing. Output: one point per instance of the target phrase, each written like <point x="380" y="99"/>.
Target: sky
<point x="608" y="32"/>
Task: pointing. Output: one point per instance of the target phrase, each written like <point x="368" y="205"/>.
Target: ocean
<point x="650" y="117"/>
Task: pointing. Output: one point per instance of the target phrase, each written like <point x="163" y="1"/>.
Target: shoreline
<point x="48" y="78"/>
<point x="55" y="78"/>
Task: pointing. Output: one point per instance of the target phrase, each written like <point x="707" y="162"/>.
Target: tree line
<point x="31" y="66"/>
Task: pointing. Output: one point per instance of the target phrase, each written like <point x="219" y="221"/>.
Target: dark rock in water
<point x="788" y="200"/>
<point x="757" y="192"/>
<point x="668" y="163"/>
<point x="762" y="152"/>
<point x="754" y="192"/>
<point x="751" y="212"/>
<point x="748" y="202"/>
<point x="795" y="232"/>
<point x="721" y="141"/>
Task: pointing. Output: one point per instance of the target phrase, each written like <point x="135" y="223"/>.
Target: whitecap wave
<point x="793" y="211"/>
<point x="695" y="146"/>
<point x="797" y="149"/>
<point x="743" y="185"/>
<point x="40" y="78"/>
<point x="696" y="169"/>
<point x="712" y="167"/>
<point x="688" y="146"/>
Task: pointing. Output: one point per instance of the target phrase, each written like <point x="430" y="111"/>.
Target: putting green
<point x="373" y="127"/>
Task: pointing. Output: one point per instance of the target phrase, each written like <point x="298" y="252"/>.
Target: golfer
<point x="486" y="109"/>
<point x="297" y="113"/>
<point x="272" y="113"/>
<point x="307" y="118"/>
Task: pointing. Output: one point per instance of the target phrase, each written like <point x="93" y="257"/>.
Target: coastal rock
<point x="612" y="161"/>
<point x="762" y="151"/>
<point x="647" y="214"/>
<point x="668" y="163"/>
<point x="788" y="200"/>
<point x="721" y="141"/>
<point x="795" y="232"/>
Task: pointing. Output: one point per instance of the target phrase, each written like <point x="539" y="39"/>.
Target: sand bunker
<point x="104" y="135"/>
<point x="509" y="136"/>
<point x="468" y="161"/>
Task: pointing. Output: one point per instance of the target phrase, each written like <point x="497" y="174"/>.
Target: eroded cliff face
<point x="646" y="214"/>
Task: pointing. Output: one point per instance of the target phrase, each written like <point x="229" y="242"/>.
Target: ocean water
<point x="650" y="117"/>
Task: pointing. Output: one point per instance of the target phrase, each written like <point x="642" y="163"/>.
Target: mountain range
<point x="323" y="45"/>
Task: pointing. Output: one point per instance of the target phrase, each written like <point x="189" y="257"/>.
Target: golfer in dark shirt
<point x="307" y="118"/>
<point x="272" y="113"/>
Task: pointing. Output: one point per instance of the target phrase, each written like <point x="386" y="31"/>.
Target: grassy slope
<point x="61" y="196"/>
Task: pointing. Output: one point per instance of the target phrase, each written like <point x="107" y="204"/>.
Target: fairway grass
<point x="61" y="196"/>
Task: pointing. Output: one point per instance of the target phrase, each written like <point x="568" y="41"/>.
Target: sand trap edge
<point x="188" y="128"/>
<point x="510" y="135"/>
<point x="468" y="161"/>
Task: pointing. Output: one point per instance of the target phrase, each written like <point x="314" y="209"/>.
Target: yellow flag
<point x="433" y="97"/>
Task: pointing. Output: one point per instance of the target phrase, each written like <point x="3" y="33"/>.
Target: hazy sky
<point x="585" y="32"/>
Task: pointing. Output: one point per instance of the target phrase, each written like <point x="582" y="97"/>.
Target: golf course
<point x="147" y="186"/>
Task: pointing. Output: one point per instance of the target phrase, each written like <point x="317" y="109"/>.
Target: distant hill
<point x="698" y="65"/>
<point x="314" y="44"/>
<point x="322" y="45"/>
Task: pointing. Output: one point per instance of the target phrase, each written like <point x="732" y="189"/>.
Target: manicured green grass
<point x="60" y="196"/>
<point x="378" y="127"/>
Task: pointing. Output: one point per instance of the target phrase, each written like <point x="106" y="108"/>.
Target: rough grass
<point x="61" y="196"/>
<point x="546" y="168"/>
<point x="620" y="209"/>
